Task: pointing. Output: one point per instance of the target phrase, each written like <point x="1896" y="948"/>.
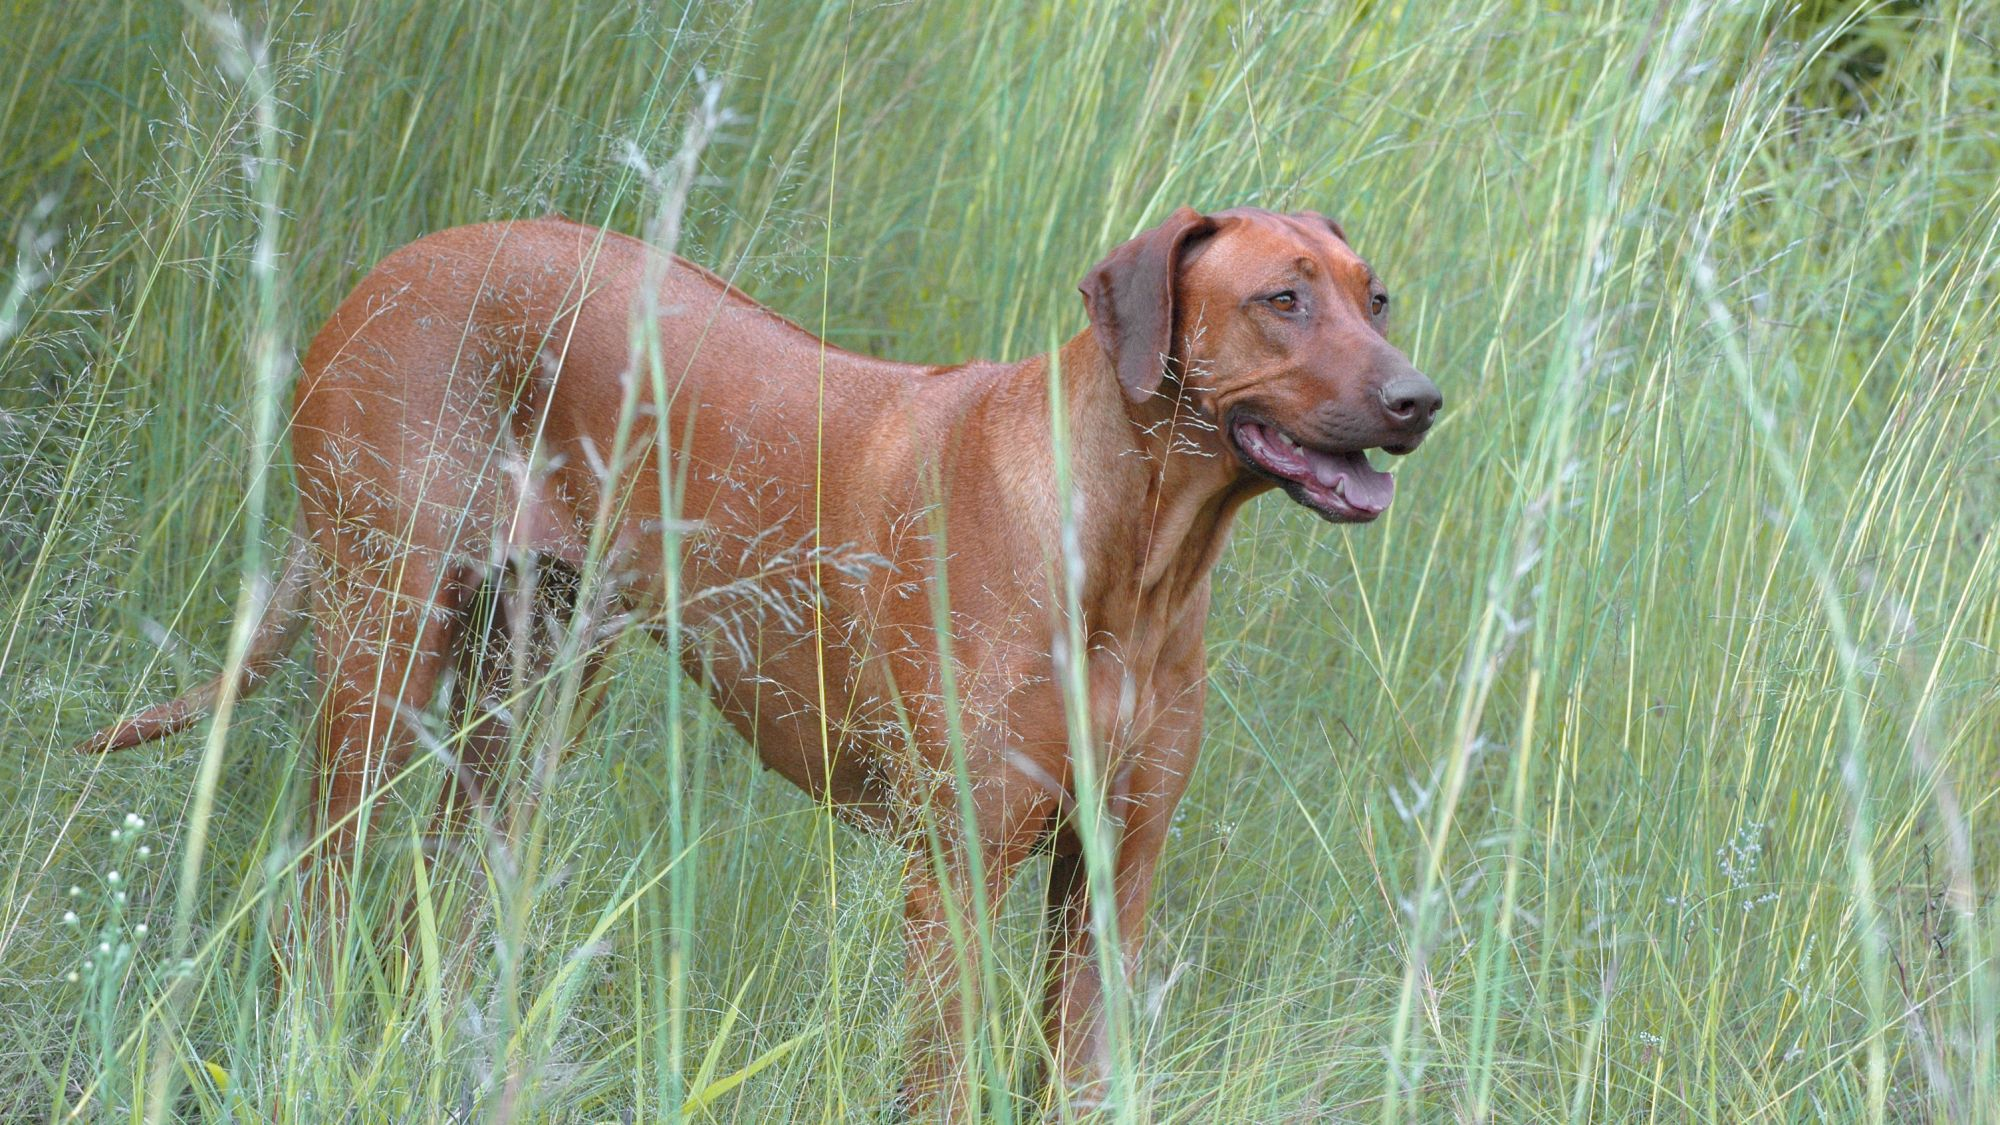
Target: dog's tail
<point x="278" y="626"/>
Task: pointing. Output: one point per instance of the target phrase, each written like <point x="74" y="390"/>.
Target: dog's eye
<point x="1378" y="304"/>
<point x="1284" y="301"/>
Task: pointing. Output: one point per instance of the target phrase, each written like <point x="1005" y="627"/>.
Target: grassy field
<point x="1640" y="765"/>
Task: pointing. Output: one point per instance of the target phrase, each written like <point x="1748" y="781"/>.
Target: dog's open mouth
<point x="1342" y="487"/>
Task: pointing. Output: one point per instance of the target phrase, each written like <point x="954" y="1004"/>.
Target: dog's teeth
<point x="1288" y="439"/>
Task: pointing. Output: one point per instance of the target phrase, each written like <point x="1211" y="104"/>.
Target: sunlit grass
<point x="1638" y="766"/>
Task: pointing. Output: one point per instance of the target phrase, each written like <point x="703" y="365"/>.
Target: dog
<point x="894" y="579"/>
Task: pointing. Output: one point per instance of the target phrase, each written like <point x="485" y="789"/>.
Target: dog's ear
<point x="1130" y="298"/>
<point x="1331" y="224"/>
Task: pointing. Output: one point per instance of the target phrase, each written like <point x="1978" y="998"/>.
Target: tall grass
<point x="1638" y="766"/>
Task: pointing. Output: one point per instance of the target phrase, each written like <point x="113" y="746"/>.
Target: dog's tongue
<point x="1349" y="474"/>
<point x="1345" y="480"/>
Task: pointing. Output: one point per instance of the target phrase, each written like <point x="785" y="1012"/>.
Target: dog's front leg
<point x="942" y="929"/>
<point x="1146" y="785"/>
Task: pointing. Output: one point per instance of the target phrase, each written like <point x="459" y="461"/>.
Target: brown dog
<point x="550" y="392"/>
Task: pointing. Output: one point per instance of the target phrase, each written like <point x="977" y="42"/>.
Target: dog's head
<point x="1271" y="327"/>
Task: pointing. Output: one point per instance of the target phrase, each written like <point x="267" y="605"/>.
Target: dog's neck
<point x="1192" y="483"/>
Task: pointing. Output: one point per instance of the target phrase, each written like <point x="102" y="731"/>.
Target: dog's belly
<point x="792" y="673"/>
<point x="773" y="623"/>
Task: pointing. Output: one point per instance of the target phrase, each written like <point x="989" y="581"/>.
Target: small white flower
<point x="89" y="964"/>
<point x="69" y="917"/>
<point x="75" y="891"/>
<point x="145" y="850"/>
<point x="72" y="977"/>
<point x="115" y="834"/>
<point x="140" y="929"/>
<point x="113" y="878"/>
<point x="104" y="947"/>
<point x="132" y="820"/>
<point x="119" y="898"/>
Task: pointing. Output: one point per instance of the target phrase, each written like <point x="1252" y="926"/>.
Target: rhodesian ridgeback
<point x="880" y="571"/>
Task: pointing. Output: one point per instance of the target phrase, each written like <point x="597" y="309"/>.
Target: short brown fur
<point x="460" y="413"/>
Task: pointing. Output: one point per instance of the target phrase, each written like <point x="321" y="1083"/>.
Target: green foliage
<point x="1639" y="765"/>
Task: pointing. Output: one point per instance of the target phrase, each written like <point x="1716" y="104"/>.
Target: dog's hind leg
<point x="384" y="639"/>
<point x="526" y="653"/>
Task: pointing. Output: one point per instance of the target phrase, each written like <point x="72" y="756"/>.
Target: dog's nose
<point x="1411" y="400"/>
